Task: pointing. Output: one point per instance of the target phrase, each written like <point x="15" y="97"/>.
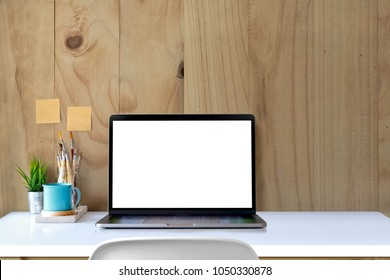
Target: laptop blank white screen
<point x="181" y="164"/>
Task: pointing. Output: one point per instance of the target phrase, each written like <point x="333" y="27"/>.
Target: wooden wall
<point x="316" y="74"/>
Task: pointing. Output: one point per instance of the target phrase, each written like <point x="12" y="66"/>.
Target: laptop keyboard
<point x="181" y="219"/>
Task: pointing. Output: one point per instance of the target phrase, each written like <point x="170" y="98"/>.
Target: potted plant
<point x="33" y="183"/>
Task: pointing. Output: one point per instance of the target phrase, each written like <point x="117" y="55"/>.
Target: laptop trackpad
<point x="181" y="220"/>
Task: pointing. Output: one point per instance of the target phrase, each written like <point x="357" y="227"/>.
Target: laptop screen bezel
<point x="182" y="211"/>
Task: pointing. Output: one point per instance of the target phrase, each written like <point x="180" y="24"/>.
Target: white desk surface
<point x="288" y="234"/>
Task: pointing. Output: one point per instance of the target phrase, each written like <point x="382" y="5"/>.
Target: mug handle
<point x="78" y="196"/>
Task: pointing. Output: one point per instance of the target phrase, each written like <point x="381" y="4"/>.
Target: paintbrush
<point x="71" y="145"/>
<point x="69" y="175"/>
<point x="62" y="145"/>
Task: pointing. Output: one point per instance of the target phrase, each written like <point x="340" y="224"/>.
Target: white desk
<point x="288" y="234"/>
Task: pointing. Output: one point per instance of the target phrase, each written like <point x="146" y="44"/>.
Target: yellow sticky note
<point x="79" y="118"/>
<point x="47" y="111"/>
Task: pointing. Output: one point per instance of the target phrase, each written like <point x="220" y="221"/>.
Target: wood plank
<point x="281" y="85"/>
<point x="384" y="105"/>
<point x="87" y="74"/>
<point x="318" y="145"/>
<point x="26" y="74"/>
<point x="216" y="56"/>
<point x="349" y="118"/>
<point x="151" y="56"/>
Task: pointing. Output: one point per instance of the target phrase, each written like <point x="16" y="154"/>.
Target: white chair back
<point x="174" y="249"/>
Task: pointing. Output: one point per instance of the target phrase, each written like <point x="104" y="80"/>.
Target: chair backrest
<point x="174" y="249"/>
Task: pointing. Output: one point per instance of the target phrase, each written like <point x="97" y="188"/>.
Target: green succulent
<point x="37" y="177"/>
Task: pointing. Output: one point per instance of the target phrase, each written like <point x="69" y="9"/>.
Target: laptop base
<point x="177" y="221"/>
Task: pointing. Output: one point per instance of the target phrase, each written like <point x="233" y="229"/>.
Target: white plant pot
<point x="35" y="202"/>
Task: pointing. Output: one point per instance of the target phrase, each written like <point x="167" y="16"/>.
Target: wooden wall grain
<point x="26" y="74"/>
<point x="313" y="72"/>
<point x="282" y="98"/>
<point x="384" y="104"/>
<point x="88" y="75"/>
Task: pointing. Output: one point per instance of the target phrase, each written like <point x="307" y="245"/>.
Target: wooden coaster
<point x="61" y="216"/>
<point x="58" y="213"/>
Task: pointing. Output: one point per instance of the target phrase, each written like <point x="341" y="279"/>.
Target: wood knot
<point x="74" y="42"/>
<point x="180" y="71"/>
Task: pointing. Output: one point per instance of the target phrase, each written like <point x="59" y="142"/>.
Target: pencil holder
<point x="68" y="162"/>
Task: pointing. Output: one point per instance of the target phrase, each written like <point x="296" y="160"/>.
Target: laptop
<point x="182" y="171"/>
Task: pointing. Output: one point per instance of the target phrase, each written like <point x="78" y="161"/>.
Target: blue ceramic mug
<point x="59" y="197"/>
